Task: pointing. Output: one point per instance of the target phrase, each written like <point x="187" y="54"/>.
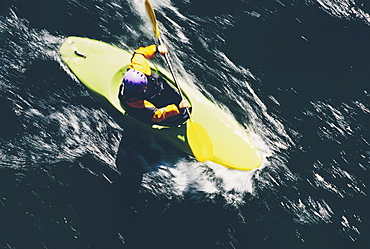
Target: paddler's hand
<point x="184" y="104"/>
<point x="162" y="49"/>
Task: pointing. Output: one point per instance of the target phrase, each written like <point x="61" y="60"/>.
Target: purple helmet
<point x="134" y="80"/>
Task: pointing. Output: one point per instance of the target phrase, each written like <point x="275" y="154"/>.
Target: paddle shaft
<point x="157" y="34"/>
<point x="198" y="138"/>
<point x="167" y="58"/>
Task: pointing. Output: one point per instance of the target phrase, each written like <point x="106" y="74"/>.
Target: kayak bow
<point x="101" y="66"/>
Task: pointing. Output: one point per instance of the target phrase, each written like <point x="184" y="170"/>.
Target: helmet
<point x="134" y="80"/>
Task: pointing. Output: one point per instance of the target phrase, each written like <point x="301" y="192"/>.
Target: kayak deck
<point x="221" y="139"/>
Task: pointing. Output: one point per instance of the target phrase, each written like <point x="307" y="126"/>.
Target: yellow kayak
<point x="210" y="135"/>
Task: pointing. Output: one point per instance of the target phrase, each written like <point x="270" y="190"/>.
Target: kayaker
<point x="148" y="97"/>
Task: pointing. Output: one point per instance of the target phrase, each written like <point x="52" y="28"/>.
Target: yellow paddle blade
<point x="153" y="19"/>
<point x="199" y="141"/>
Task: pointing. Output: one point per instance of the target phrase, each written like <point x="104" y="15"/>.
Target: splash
<point x="199" y="181"/>
<point x="347" y="9"/>
<point x="309" y="211"/>
<point x="230" y="87"/>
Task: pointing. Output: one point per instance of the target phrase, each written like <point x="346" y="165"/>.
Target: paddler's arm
<point x="144" y="108"/>
<point x="139" y="59"/>
<point x="149" y="51"/>
<point x="164" y="113"/>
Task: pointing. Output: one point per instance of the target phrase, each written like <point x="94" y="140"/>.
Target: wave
<point x="199" y="59"/>
<point x="53" y="127"/>
<point x="348" y="9"/>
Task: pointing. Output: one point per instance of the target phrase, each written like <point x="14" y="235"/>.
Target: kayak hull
<point x="101" y="66"/>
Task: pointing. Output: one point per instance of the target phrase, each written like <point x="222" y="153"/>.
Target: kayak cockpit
<point x="168" y="95"/>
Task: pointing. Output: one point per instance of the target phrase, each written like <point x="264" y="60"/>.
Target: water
<point x="294" y="73"/>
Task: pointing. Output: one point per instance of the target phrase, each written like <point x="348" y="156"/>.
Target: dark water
<point x="295" y="73"/>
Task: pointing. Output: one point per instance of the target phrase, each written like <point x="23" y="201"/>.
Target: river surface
<point x="294" y="73"/>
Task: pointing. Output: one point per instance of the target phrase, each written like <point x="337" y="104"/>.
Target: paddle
<point x="198" y="138"/>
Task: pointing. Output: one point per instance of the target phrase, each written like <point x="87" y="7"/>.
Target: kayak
<point x="221" y="139"/>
